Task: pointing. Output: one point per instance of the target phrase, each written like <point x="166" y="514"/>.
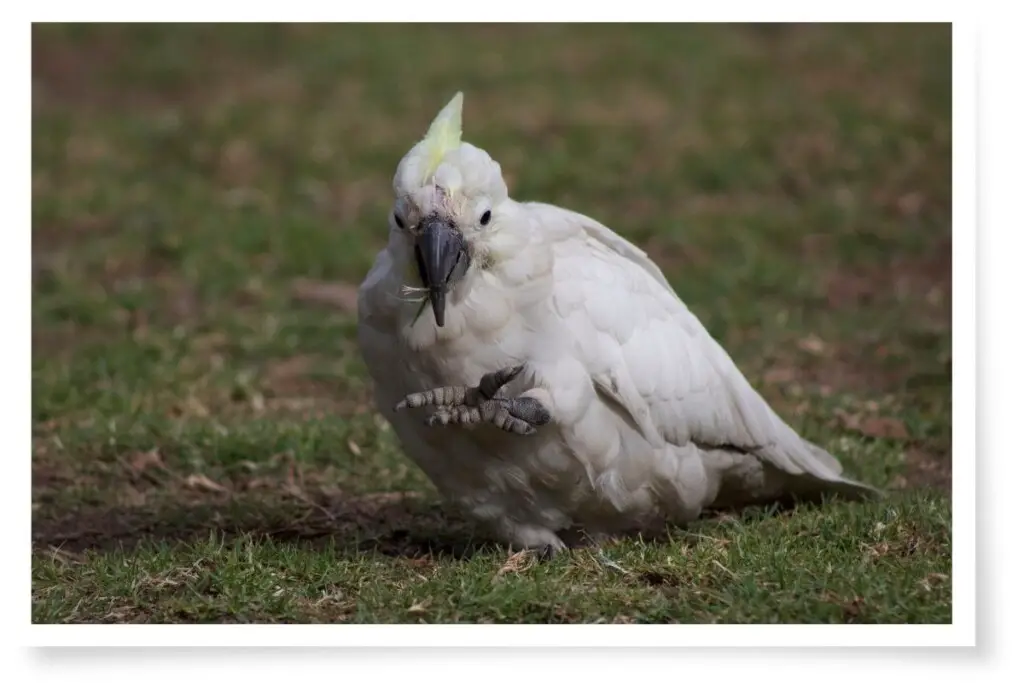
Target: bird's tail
<point x="843" y="487"/>
<point x="814" y="485"/>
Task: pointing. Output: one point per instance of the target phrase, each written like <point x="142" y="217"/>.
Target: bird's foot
<point x="546" y="552"/>
<point x="542" y="543"/>
<point x="521" y="415"/>
<point x="475" y="405"/>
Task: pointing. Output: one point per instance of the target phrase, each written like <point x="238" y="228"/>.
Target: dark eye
<point x="399" y="222"/>
<point x="486" y="218"/>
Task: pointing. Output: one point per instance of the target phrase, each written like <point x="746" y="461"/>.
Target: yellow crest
<point x="444" y="135"/>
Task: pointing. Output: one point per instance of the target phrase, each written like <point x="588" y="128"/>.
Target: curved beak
<point x="442" y="259"/>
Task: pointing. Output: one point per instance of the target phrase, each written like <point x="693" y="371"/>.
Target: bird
<point x="558" y="387"/>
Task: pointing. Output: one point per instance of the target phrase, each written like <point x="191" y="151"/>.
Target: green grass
<point x="205" y="199"/>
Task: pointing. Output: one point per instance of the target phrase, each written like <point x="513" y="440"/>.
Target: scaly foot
<point x="474" y="405"/>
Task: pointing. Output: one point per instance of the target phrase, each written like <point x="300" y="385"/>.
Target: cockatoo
<point x="569" y="390"/>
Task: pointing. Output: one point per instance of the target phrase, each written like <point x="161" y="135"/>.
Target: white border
<point x="965" y="214"/>
<point x="961" y="632"/>
<point x="512" y="635"/>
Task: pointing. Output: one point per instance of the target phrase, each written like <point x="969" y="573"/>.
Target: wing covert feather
<point x="646" y="350"/>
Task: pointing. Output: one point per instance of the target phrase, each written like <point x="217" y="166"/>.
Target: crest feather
<point x="443" y="136"/>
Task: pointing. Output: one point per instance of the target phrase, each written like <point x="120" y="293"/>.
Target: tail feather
<point x="846" y="488"/>
<point x="749" y="479"/>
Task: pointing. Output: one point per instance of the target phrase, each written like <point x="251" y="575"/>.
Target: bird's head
<point x="449" y="196"/>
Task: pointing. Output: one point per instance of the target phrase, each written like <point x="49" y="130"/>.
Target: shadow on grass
<point x="391" y="524"/>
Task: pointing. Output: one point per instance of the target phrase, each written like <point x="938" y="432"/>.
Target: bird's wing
<point x="648" y="353"/>
<point x="608" y="238"/>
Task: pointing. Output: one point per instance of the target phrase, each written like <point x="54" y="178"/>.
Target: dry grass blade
<point x="419" y="607"/>
<point x="516" y="563"/>
<point x="143" y="460"/>
<point x="201" y="482"/>
<point x="725" y="569"/>
<point x="64" y="556"/>
<point x="299" y="494"/>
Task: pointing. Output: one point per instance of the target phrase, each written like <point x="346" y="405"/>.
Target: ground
<point x="206" y="199"/>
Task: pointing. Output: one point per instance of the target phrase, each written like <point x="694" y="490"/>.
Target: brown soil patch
<point x="289" y="386"/>
<point x="924" y="280"/>
<point x="395" y="524"/>
<point x="918" y="285"/>
<point x="927" y="470"/>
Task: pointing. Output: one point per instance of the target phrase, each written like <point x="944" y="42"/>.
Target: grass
<point x="205" y="200"/>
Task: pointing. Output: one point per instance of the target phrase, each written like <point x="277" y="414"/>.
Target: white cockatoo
<point x="570" y="389"/>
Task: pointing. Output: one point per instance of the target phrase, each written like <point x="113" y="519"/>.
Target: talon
<point x="545" y="552"/>
<point x="492" y="383"/>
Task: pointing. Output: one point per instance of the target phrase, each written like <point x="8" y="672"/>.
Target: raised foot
<point x="475" y="405"/>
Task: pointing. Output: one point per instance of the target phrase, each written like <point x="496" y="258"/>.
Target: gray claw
<point x="545" y="552"/>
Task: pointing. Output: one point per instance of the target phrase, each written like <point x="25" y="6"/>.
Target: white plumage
<point x="648" y="419"/>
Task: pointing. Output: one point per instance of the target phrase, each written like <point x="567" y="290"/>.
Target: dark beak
<point x="442" y="259"/>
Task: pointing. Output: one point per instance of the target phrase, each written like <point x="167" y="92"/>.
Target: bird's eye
<point x="399" y="222"/>
<point x="486" y="218"/>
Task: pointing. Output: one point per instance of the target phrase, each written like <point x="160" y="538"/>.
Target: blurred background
<point x="207" y="198"/>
